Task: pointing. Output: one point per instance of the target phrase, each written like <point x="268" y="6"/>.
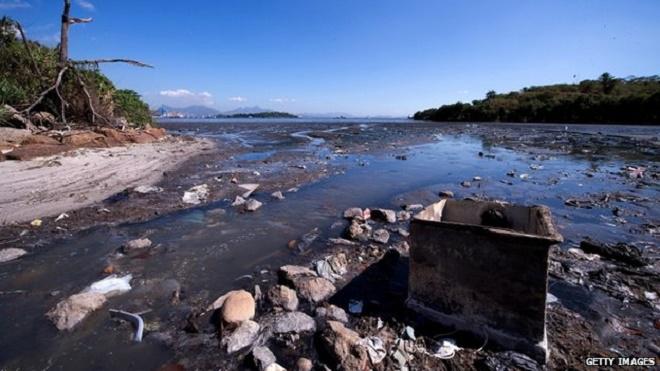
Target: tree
<point x="64" y="31"/>
<point x="608" y="82"/>
<point x="491" y="94"/>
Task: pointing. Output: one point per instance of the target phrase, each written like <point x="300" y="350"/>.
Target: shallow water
<point x="206" y="249"/>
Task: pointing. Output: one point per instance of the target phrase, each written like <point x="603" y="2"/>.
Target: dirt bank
<point x="48" y="186"/>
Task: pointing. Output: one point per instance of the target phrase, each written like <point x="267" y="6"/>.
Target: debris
<point x="550" y="299"/>
<point x="650" y="295"/>
<point x="196" y="194"/>
<point x="375" y="349"/>
<point x="342" y="241"/>
<point x="524" y="176"/>
<point x="135" y="319"/>
<point x="307" y="239"/>
<point x="414" y="207"/>
<point x="344" y="347"/>
<point x="252" y="205"/>
<point x="283" y="297"/>
<point x="10" y="254"/>
<point x="403" y="215"/>
<point x="535" y="167"/>
<point x="147" y="189"/>
<point x="292" y="322"/>
<point x="36" y="223"/>
<point x="476" y="179"/>
<point x="466" y="184"/>
<point x="403" y="232"/>
<point x="111" y="285"/>
<point x="359" y="231"/>
<point x="355" y="306"/>
<point x="510" y="360"/>
<point x="61" y="216"/>
<point x="72" y="310"/>
<point x="137" y="244"/>
<point x="446" y="349"/>
<point x="621" y="252"/>
<point x="635" y="172"/>
<point x="409" y="332"/>
<point x="381" y="236"/>
<point x="249" y="189"/>
<point x="244" y="335"/>
<point x="324" y="270"/>
<point x="277" y="195"/>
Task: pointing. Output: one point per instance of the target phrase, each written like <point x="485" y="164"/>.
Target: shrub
<point x="129" y="105"/>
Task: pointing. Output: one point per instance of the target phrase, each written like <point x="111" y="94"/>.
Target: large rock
<point x="85" y="139"/>
<point x="332" y="313"/>
<point x="71" y="311"/>
<point x="138" y="244"/>
<point x="360" y="231"/>
<point x="252" y="205"/>
<point x="292" y="322"/>
<point x="244" y="335"/>
<point x="196" y="194"/>
<point x="10" y="254"/>
<point x="30" y="151"/>
<point x="40" y="139"/>
<point x="353" y="212"/>
<point x="342" y="347"/>
<point x="314" y="289"/>
<point x="12" y="135"/>
<point x="238" y="307"/>
<point x="283" y="297"/>
<point x="16" y="120"/>
<point x="384" y="215"/>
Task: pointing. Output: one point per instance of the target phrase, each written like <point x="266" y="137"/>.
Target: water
<point x="206" y="249"/>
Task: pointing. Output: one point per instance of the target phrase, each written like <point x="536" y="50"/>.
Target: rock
<point x="402" y="247"/>
<point x="10" y="254"/>
<point x="277" y="195"/>
<point x="238" y="307"/>
<point x="249" y="189"/>
<point x="446" y="194"/>
<point x="342" y="241"/>
<point x="288" y="273"/>
<point x="15" y="119"/>
<point x="71" y="311"/>
<point x="147" y="189"/>
<point x="353" y="212"/>
<point x="275" y="367"/>
<point x="338" y="263"/>
<point x="466" y="184"/>
<point x="30" y="151"/>
<point x="381" y="236"/>
<point x="403" y="215"/>
<point x="14" y="136"/>
<point x="343" y="347"/>
<point x="40" y="139"/>
<point x="283" y="297"/>
<point x="359" y="231"/>
<point x="252" y="205"/>
<point x="157" y="133"/>
<point x="196" y="194"/>
<point x="138" y="244"/>
<point x="333" y="313"/>
<point x="78" y="139"/>
<point x="622" y="252"/>
<point x="238" y="201"/>
<point x="292" y="322"/>
<point x="244" y="335"/>
<point x="304" y="364"/>
<point x="403" y="232"/>
<point x="314" y="289"/>
<point x="384" y="215"/>
<point x="263" y="357"/>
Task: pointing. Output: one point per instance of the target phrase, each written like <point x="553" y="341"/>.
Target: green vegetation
<point x="29" y="69"/>
<point x="606" y="100"/>
<point x="261" y="115"/>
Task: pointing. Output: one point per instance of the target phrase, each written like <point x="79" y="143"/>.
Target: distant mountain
<point x="190" y="111"/>
<point x="326" y="115"/>
<point x="246" y="110"/>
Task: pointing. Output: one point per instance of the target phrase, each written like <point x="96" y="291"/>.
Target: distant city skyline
<point x="361" y="58"/>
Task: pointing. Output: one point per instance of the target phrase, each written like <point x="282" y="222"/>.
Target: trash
<point x="375" y="348"/>
<point x="36" y="223"/>
<point x="621" y="252"/>
<point x="277" y="195"/>
<point x="355" y="306"/>
<point x="307" y="239"/>
<point x="137" y="244"/>
<point x="196" y="194"/>
<point x="414" y="207"/>
<point x="252" y="205"/>
<point x="61" y="216"/>
<point x="409" y="332"/>
<point x="446" y="349"/>
<point x="10" y="254"/>
<point x="550" y="299"/>
<point x="524" y="176"/>
<point x="147" y="189"/>
<point x="324" y="270"/>
<point x="635" y="172"/>
<point x="249" y="189"/>
<point x="342" y="241"/>
<point x="650" y="295"/>
<point x="135" y="319"/>
<point x="111" y="285"/>
<point x="476" y="178"/>
<point x="535" y="167"/>
<point x="466" y="184"/>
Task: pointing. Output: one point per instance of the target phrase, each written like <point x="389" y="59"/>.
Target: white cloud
<point x="282" y="100"/>
<point x="86" y="4"/>
<point x="14" y="4"/>
<point x="185" y="96"/>
<point x="237" y="99"/>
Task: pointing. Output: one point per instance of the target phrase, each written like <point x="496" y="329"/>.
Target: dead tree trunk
<point x="64" y="33"/>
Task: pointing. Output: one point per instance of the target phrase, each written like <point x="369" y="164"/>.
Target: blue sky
<point x="379" y="57"/>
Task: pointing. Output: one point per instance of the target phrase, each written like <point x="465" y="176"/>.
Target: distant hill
<point x="633" y="100"/>
<point x="262" y="115"/>
<point x="241" y="110"/>
<point x="326" y="115"/>
<point x="190" y="111"/>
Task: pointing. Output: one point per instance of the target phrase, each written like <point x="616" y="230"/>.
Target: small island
<point x="633" y="100"/>
<point x="260" y="115"/>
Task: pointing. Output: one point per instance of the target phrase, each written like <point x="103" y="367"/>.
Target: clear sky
<point x="377" y="57"/>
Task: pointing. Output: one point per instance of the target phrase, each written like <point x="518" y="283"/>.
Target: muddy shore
<point x="605" y="307"/>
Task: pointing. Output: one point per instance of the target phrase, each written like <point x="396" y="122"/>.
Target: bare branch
<point x="27" y="47"/>
<point x="99" y="61"/>
<point x="89" y="99"/>
<point x="74" y="20"/>
<point x="43" y="94"/>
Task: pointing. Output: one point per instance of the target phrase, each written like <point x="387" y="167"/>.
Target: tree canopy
<point x="605" y="100"/>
